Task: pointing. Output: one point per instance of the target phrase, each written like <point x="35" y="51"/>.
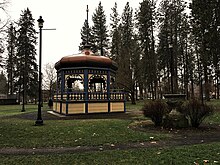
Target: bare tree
<point x="4" y="20"/>
<point x="49" y="78"/>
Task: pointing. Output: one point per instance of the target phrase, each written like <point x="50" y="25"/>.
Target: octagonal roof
<point x="86" y="59"/>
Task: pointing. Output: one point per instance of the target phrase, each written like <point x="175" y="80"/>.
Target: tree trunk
<point x="207" y="90"/>
<point x="133" y="98"/>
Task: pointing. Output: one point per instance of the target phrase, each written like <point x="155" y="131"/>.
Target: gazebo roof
<point x="86" y="59"/>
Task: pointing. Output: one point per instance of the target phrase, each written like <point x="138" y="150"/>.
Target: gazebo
<point x="85" y="84"/>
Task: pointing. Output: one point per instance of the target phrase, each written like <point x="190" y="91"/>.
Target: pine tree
<point x="115" y="33"/>
<point x="145" y="24"/>
<point x="87" y="37"/>
<point x="125" y="78"/>
<point x="215" y="43"/>
<point x="99" y="30"/>
<point x="3" y="83"/>
<point x="203" y="18"/>
<point x="185" y="61"/>
<point x="26" y="55"/>
<point x="170" y="48"/>
<point x="11" y="58"/>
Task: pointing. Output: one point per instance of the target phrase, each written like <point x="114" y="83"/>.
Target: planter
<point x="175" y="119"/>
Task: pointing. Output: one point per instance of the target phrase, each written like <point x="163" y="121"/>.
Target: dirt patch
<point x="206" y="133"/>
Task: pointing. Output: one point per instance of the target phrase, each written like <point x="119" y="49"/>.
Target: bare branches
<point x="49" y="76"/>
<point x="4" y="21"/>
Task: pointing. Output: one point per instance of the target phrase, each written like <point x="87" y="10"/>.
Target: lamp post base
<point x="39" y="122"/>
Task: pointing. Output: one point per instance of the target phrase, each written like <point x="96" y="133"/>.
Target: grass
<point x="65" y="133"/>
<point x="8" y="110"/>
<point x="69" y="133"/>
<point x="135" y="107"/>
<point x="183" y="155"/>
<point x="21" y="133"/>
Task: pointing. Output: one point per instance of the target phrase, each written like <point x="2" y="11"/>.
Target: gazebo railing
<point x="98" y="96"/>
<point x="93" y="96"/>
<point x="76" y="96"/>
<point x="117" y="95"/>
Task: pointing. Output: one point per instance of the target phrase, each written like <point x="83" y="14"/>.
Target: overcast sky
<point x="67" y="16"/>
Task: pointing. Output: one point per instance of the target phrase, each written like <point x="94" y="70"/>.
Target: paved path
<point x="80" y="149"/>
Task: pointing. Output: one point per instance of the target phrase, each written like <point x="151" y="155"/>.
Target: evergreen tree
<point x="186" y="61"/>
<point x="125" y="77"/>
<point x="170" y="49"/>
<point x="3" y="84"/>
<point x="145" y="24"/>
<point x="27" y="71"/>
<point x="99" y="30"/>
<point x="11" y="58"/>
<point x="215" y="42"/>
<point x="204" y="19"/>
<point x="87" y="37"/>
<point x="115" y="33"/>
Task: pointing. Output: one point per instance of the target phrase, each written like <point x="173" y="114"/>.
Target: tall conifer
<point x="11" y="59"/>
<point x="99" y="30"/>
<point x="115" y="33"/>
<point x="27" y="71"/>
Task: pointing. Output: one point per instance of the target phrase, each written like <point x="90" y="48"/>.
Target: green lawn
<point x="184" y="155"/>
<point x="21" y="133"/>
<point x="69" y="133"/>
<point x="8" y="110"/>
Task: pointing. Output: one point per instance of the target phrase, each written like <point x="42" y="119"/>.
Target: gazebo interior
<point x="85" y="84"/>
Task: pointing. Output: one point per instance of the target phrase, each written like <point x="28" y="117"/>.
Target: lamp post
<point x="171" y="66"/>
<point x="39" y="120"/>
<point x="23" y="94"/>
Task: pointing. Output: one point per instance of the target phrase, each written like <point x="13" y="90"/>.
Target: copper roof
<point x="85" y="59"/>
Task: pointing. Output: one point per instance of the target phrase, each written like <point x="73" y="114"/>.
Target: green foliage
<point x="115" y="34"/>
<point x="26" y="70"/>
<point x="205" y="29"/>
<point x="196" y="111"/>
<point x="11" y="59"/>
<point x="127" y="53"/>
<point x="173" y="40"/>
<point x="99" y="30"/>
<point x="146" y="18"/>
<point x="86" y="37"/>
<point x="3" y="84"/>
<point x="155" y="110"/>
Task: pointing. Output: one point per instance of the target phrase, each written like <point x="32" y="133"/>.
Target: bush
<point x="155" y="110"/>
<point x="195" y="111"/>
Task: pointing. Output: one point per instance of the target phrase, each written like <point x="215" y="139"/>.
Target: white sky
<point x="67" y="16"/>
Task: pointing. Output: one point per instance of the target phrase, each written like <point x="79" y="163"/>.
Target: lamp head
<point x="40" y="22"/>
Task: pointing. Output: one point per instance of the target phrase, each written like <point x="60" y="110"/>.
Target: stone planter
<point x="175" y="119"/>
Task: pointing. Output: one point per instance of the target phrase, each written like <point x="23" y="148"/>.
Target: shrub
<point x="155" y="110"/>
<point x="195" y="111"/>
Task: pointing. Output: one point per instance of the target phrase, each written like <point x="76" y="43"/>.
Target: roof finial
<point x="86" y="45"/>
<point x="87" y="30"/>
